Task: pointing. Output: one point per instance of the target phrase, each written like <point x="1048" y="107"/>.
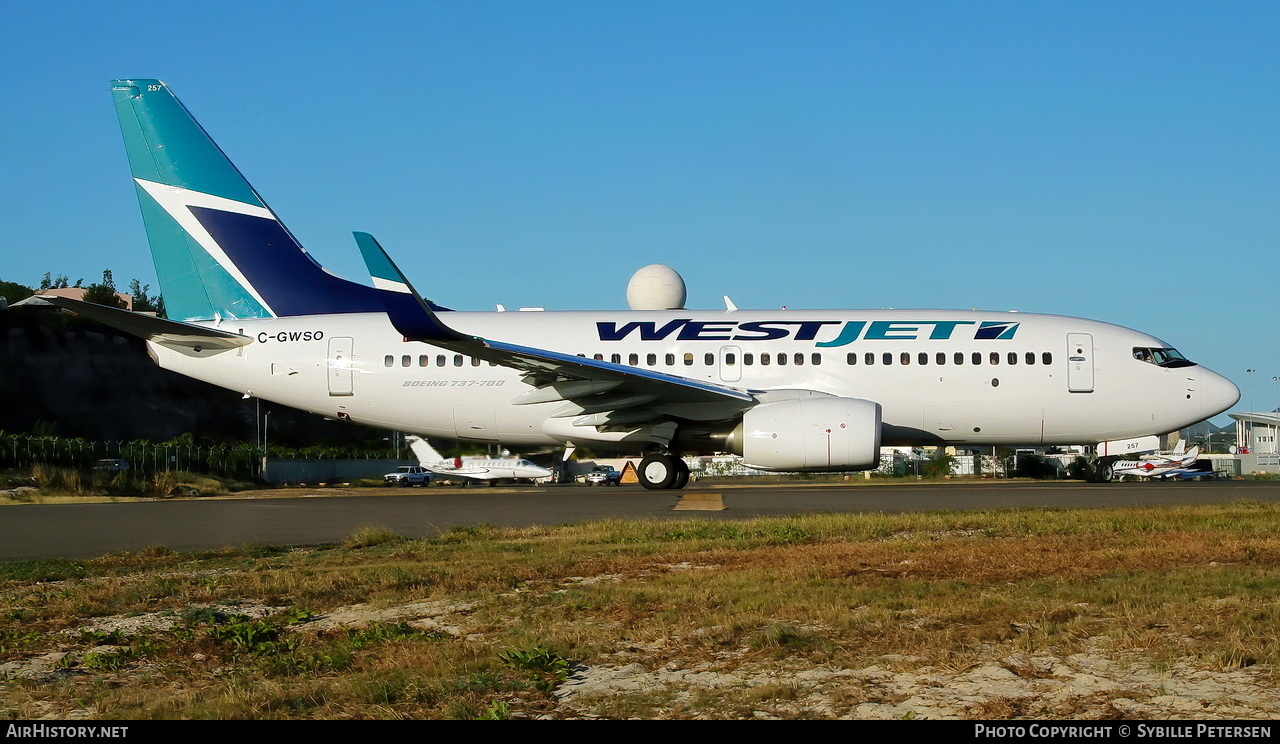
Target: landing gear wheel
<point x="1105" y="473"/>
<point x="658" y="472"/>
<point x="682" y="475"/>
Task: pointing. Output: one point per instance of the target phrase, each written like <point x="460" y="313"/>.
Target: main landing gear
<point x="662" y="471"/>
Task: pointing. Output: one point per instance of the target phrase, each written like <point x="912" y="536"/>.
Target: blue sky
<point x="1114" y="160"/>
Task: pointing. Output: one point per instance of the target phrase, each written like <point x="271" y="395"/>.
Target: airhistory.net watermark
<point x="62" y="731"/>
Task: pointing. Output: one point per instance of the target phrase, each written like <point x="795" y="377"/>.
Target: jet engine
<point x="810" y="434"/>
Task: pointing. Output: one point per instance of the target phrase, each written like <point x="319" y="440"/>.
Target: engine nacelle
<point x="812" y="434"/>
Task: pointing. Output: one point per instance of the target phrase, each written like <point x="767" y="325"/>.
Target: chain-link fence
<point x="24" y="450"/>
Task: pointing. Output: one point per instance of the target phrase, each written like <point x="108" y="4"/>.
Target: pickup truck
<point x="408" y="475"/>
<point x="604" y="475"/>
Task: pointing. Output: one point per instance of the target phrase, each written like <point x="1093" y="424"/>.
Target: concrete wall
<point x="328" y="471"/>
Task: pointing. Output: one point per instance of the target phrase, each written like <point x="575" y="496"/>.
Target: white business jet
<point x="1153" y="466"/>
<point x="487" y="469"/>
<point x="789" y="390"/>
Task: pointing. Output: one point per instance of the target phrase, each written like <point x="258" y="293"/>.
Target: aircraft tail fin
<point x="219" y="250"/>
<point x="1180" y="447"/>
<point x="424" y="452"/>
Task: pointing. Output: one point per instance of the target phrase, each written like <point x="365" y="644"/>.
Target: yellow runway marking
<point x="698" y="501"/>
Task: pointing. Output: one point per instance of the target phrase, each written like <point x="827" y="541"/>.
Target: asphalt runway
<point x="90" y="530"/>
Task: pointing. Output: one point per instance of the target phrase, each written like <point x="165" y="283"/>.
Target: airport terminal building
<point x="1258" y="439"/>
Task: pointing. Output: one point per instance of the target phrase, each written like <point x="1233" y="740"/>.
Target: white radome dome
<point x="656" y="287"/>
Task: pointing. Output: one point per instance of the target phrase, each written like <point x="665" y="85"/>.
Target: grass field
<point x="1123" y="613"/>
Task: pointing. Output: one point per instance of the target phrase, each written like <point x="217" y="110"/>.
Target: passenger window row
<point x="749" y="359"/>
<point x="441" y="360"/>
<point x="940" y="358"/>
<point x="709" y="359"/>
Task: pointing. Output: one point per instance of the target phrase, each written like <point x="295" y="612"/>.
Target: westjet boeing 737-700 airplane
<point x="789" y="390"/>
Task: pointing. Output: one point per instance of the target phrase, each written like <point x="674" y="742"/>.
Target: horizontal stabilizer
<point x="150" y="327"/>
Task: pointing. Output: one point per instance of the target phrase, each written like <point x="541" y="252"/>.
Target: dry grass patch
<point x="816" y="616"/>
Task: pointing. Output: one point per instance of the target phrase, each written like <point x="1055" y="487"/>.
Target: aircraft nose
<point x="1217" y="394"/>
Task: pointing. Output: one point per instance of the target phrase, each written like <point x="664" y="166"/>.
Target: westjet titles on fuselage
<point x="688" y="329"/>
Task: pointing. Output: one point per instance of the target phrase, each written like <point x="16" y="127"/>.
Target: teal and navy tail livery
<point x="220" y="252"/>
<point x="792" y="390"/>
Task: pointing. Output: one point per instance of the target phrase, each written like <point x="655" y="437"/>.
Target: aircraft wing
<point x="607" y="396"/>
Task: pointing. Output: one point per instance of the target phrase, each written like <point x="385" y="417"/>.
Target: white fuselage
<point x="962" y="377"/>
<point x="480" y="468"/>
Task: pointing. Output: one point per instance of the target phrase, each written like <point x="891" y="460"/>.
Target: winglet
<point x="412" y="316"/>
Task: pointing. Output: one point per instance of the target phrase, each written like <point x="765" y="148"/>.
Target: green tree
<point x="142" y="301"/>
<point x="13" y="292"/>
<point x="59" y="282"/>
<point x="939" y="466"/>
<point x="104" y="293"/>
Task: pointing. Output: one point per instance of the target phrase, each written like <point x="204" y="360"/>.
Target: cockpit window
<point x="1161" y="357"/>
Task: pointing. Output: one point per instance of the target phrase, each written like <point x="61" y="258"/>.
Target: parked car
<point x="604" y="475"/>
<point x="111" y="465"/>
<point x="408" y="475"/>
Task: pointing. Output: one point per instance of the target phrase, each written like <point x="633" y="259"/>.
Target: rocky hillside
<point x="67" y="376"/>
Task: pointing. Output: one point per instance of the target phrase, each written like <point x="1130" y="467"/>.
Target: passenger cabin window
<point x="1047" y="358"/>
<point x="869" y="358"/>
<point x="651" y="359"/>
<point x="709" y="359"/>
<point x="730" y="359"/>
<point x="633" y="360"/>
<point x="423" y="360"/>
<point x="782" y="358"/>
<point x="995" y="357"/>
<point x="440" y="360"/>
<point x="670" y="359"/>
<point x="799" y="358"/>
<point x="615" y="358"/>
<point x="922" y="358"/>
<point x="1031" y="357"/>
<point x="976" y="357"/>
<point x="748" y="359"/>
<point x="940" y="357"/>
<point x="851" y="358"/>
<point x="765" y="359"/>
<point x="406" y="360"/>
<point x="688" y="360"/>
<point x="958" y="358"/>
<point x="389" y="361"/>
<point x="1013" y="357"/>
<point x="815" y="358"/>
<point x="905" y="357"/>
<point x="457" y="360"/>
